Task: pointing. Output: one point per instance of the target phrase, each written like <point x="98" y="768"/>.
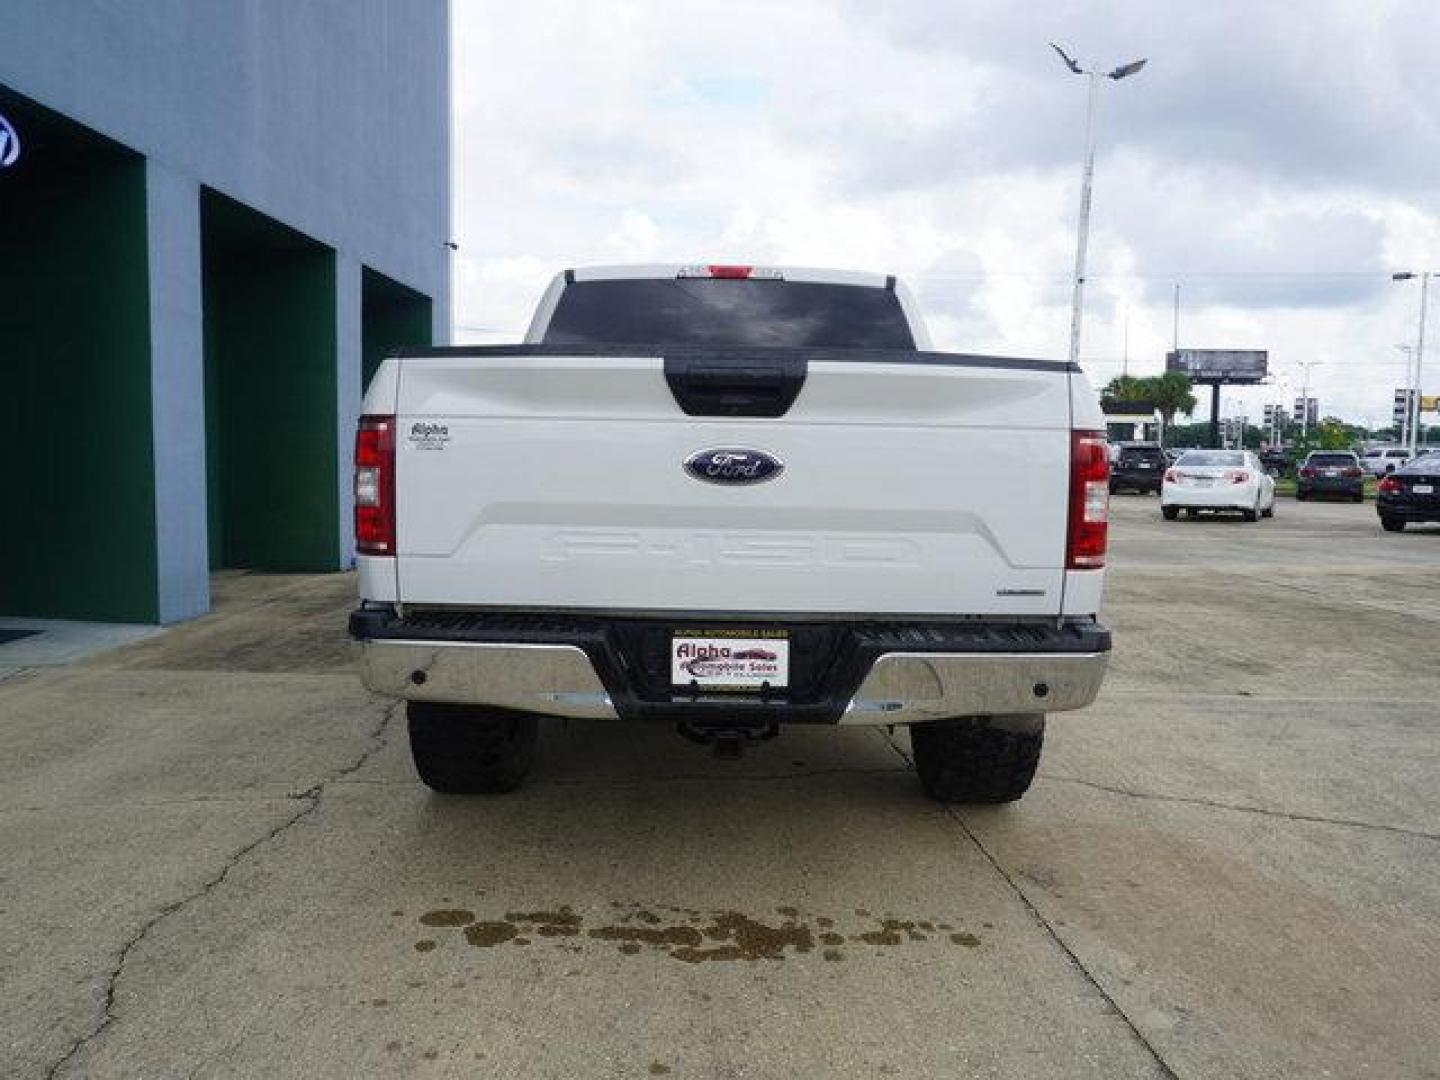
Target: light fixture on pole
<point x="1413" y="412"/>
<point x="1087" y="180"/>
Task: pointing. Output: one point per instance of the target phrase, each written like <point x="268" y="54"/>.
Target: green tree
<point x="1127" y="388"/>
<point x="1333" y="433"/>
<point x="1172" y="394"/>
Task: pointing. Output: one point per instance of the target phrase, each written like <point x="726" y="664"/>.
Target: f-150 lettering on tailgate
<point x="738" y="549"/>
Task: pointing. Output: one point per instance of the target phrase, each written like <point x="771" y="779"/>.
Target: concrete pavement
<point x="216" y="860"/>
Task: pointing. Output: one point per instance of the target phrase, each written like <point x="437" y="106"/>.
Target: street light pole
<point x="1412" y="411"/>
<point x="1409" y="351"/>
<point x="1082" y="238"/>
<point x="1305" y="400"/>
<point x="1175" y="325"/>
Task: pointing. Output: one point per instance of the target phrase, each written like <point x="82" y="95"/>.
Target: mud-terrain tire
<point x="972" y="760"/>
<point x="471" y="749"/>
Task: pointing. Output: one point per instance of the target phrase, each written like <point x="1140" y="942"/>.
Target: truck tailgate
<point x="557" y="481"/>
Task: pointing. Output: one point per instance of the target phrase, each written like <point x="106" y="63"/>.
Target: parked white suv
<point x="1380" y="460"/>
<point x="730" y="498"/>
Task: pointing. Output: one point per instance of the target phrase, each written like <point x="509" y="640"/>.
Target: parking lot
<point x="216" y="860"/>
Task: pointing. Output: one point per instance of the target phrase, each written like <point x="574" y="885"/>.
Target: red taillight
<point x="1307" y="472"/>
<point x="729" y="271"/>
<point x="1171" y="476"/>
<point x="1089" y="525"/>
<point x="375" y="486"/>
<point x="1390" y="485"/>
<point x="1238" y="476"/>
<point x="1353" y="472"/>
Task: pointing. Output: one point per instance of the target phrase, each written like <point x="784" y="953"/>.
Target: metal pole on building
<point x="1082" y="238"/>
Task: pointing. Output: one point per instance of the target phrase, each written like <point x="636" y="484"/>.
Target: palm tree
<point x="1171" y="394"/>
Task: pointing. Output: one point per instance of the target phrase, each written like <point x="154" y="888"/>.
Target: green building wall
<point x="270" y="368"/>
<point x="179" y="375"/>
<point x="79" y="536"/>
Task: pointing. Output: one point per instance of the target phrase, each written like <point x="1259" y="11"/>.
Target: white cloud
<point x="1276" y="167"/>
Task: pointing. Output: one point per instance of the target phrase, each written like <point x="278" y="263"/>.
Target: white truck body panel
<point x="924" y="488"/>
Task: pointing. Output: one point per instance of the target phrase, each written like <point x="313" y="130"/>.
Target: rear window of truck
<point x="719" y="311"/>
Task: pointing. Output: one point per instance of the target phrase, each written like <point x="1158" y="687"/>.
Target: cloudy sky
<point x="1276" y="159"/>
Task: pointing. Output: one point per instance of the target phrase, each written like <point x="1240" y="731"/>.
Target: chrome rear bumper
<point x="900" y="687"/>
<point x="554" y="680"/>
<point x="906" y="688"/>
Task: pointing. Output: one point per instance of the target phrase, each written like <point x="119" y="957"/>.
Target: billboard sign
<point x="1219" y="365"/>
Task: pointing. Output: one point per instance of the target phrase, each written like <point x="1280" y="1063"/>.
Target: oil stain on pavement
<point x="692" y="936"/>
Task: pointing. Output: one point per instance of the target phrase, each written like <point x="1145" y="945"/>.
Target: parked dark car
<point x="1410" y="493"/>
<point x="1138" y="467"/>
<point x="1331" y="472"/>
<point x="1276" y="462"/>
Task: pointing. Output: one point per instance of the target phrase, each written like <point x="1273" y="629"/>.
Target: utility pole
<point x="1413" y="412"/>
<point x="1082" y="238"/>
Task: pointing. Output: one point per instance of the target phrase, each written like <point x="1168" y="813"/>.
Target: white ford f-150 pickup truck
<point x="730" y="498"/>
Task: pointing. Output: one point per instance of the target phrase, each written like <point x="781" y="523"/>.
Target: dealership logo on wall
<point x="9" y="143"/>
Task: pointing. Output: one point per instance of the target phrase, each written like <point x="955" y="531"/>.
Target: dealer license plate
<point x="745" y="660"/>
<point x="1423" y="489"/>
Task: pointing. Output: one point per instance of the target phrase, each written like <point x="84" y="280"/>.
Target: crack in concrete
<point x="158" y="804"/>
<point x="1241" y="808"/>
<point x="1044" y="923"/>
<point x="311" y="799"/>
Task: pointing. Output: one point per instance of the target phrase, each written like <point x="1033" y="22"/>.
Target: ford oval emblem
<point x="733" y="465"/>
<point x="9" y="143"/>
